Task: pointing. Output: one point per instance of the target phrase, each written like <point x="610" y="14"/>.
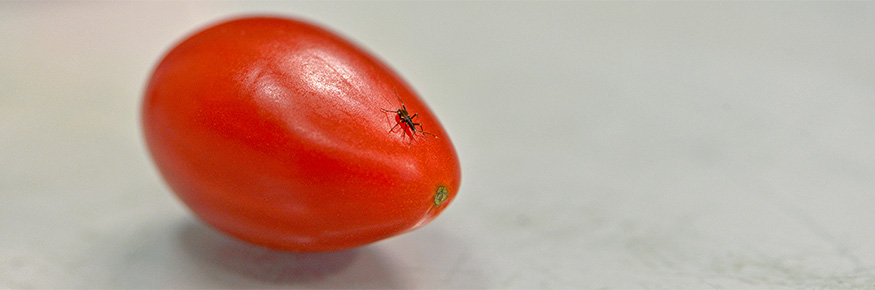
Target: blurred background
<point x="603" y="145"/>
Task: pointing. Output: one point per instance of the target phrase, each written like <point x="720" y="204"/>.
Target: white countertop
<point x="603" y="145"/>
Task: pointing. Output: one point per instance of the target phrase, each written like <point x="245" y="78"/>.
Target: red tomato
<point x="274" y="131"/>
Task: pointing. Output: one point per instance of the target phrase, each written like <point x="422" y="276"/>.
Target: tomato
<point x="284" y="134"/>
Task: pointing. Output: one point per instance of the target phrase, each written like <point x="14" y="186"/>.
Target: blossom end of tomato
<point x="440" y="195"/>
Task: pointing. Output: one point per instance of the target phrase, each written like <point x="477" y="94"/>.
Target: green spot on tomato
<point x="440" y="195"/>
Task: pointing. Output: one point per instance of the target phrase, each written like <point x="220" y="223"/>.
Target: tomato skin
<point x="271" y="130"/>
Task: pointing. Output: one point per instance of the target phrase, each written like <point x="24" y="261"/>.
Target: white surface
<point x="603" y="145"/>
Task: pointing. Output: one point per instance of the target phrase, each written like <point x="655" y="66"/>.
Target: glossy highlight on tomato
<point x="272" y="130"/>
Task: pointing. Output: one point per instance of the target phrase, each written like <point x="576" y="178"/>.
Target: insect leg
<point x="393" y="127"/>
<point x="421" y="130"/>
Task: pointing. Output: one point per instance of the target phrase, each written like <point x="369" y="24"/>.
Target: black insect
<point x="407" y="119"/>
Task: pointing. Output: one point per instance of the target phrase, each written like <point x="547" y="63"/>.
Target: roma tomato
<point x="285" y="135"/>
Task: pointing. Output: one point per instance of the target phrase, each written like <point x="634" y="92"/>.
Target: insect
<point x="405" y="118"/>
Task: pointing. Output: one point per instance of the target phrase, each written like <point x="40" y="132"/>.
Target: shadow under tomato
<point x="354" y="268"/>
